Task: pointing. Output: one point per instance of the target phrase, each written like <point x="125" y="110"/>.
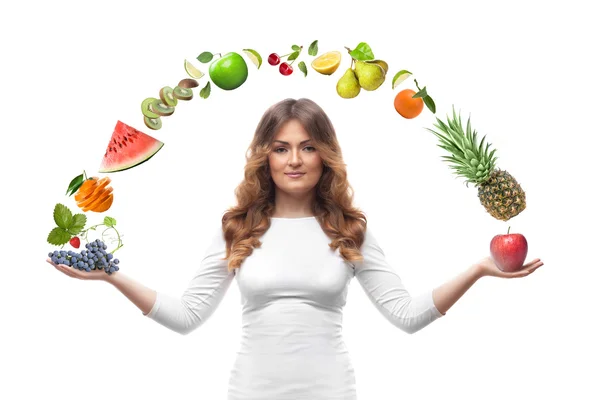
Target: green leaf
<point x="302" y="67"/>
<point x="62" y="216"/>
<point x="205" y="92"/>
<point x="58" y="236"/>
<point x="296" y="47"/>
<point x="75" y="184"/>
<point x="421" y="93"/>
<point x="205" y="56"/>
<point x="108" y="221"/>
<point x="429" y="103"/>
<point x="313" y="49"/>
<point x="293" y="56"/>
<point x="362" y="52"/>
<point x="79" y="221"/>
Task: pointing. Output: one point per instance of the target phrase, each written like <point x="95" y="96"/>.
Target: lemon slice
<point x="254" y="57"/>
<point x="327" y="63"/>
<point x="192" y="71"/>
<point x="400" y="77"/>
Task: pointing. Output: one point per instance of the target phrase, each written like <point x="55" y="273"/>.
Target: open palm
<point x="489" y="268"/>
<point x="94" y="275"/>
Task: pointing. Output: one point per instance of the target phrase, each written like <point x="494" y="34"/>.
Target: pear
<point x="383" y="64"/>
<point x="370" y="75"/>
<point x="348" y="86"/>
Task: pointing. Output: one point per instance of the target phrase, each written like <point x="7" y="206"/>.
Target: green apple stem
<point x="508" y="230"/>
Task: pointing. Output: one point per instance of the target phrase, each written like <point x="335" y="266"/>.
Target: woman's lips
<point x="295" y="175"/>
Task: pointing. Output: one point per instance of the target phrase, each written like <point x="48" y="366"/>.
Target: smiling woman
<point x="296" y="168"/>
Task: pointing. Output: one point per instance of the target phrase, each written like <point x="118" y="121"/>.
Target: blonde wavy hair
<point x="244" y="223"/>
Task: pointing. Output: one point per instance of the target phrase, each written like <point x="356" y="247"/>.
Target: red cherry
<point x="285" y="69"/>
<point x="75" y="242"/>
<point x="273" y="59"/>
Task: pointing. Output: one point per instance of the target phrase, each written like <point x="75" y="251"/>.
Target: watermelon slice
<point x="128" y="148"/>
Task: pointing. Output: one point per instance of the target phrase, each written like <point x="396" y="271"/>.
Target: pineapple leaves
<point x="469" y="156"/>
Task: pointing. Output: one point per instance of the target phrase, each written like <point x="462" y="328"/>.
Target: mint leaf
<point x="58" y="236"/>
<point x="62" y="216"/>
<point x="75" y="184"/>
<point x="78" y="223"/>
<point x="362" y="52"/>
<point x="108" y="221"/>
<point x="205" y="92"/>
<point x="313" y="49"/>
<point x="302" y="67"/>
<point x="205" y="57"/>
<point x="293" y="56"/>
<point x="429" y="103"/>
<point x="296" y="47"/>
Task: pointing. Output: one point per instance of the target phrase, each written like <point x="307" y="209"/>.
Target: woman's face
<point x="292" y="150"/>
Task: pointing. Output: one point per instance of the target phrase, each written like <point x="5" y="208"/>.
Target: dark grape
<point x="93" y="257"/>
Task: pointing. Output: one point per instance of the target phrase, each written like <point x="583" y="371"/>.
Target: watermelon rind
<point x="133" y="157"/>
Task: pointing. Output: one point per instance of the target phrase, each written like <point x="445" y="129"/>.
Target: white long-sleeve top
<point x="293" y="290"/>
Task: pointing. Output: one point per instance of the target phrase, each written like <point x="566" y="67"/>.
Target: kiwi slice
<point x="160" y="108"/>
<point x="146" y="111"/>
<point x="153" y="123"/>
<point x="183" y="93"/>
<point x="166" y="95"/>
<point x="188" y="83"/>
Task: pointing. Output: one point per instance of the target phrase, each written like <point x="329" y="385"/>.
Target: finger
<point x="535" y="266"/>
<point x="532" y="262"/>
<point x="67" y="270"/>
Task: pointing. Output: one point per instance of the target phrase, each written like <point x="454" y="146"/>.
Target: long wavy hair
<point x="244" y="223"/>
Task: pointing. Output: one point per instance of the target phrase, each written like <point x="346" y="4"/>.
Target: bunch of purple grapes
<point x="94" y="257"/>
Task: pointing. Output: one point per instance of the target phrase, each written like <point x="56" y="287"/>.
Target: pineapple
<point x="498" y="191"/>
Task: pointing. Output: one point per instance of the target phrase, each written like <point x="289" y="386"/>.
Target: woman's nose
<point x="295" y="157"/>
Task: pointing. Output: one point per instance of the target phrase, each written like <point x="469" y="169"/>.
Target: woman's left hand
<point x="487" y="267"/>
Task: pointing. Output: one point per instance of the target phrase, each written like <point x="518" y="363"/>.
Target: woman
<point x="294" y="242"/>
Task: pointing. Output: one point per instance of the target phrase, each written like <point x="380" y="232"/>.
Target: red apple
<point x="509" y="251"/>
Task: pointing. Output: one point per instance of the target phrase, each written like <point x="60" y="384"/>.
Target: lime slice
<point x="254" y="57"/>
<point x="192" y="71"/>
<point x="400" y="77"/>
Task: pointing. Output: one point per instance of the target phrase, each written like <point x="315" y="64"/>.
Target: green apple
<point x="228" y="72"/>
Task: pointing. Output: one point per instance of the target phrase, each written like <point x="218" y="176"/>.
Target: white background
<point x="524" y="72"/>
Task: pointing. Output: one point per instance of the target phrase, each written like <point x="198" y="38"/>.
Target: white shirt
<point x="293" y="290"/>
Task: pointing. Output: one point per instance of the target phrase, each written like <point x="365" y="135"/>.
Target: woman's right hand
<point x="94" y="275"/>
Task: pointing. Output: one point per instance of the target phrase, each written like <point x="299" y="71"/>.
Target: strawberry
<point x="75" y="242"/>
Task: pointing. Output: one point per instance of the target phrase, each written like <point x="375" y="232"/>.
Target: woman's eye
<point x="283" y="148"/>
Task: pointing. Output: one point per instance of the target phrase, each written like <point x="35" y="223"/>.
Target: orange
<point x="406" y="105"/>
<point x="104" y="205"/>
<point x="86" y="189"/>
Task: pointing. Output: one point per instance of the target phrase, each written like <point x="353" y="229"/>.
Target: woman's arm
<point x="139" y="294"/>
<point x="387" y="292"/>
<point x="447" y="294"/>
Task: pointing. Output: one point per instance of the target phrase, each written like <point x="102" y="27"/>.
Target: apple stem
<point x="508" y="230"/>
